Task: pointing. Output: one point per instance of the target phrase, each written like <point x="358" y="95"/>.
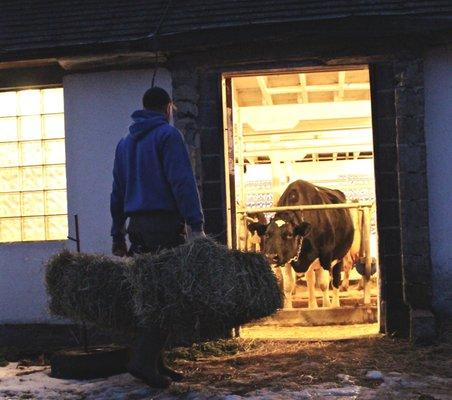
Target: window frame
<point x="57" y="84"/>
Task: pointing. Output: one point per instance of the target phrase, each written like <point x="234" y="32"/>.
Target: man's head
<point x="158" y="99"/>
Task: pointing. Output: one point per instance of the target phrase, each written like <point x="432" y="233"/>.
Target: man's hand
<point x="192" y="235"/>
<point x="119" y="247"/>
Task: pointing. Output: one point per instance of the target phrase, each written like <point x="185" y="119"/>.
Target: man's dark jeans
<point x="150" y="233"/>
<point x="155" y="231"/>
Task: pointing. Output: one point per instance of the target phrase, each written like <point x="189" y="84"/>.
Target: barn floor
<point x="269" y="370"/>
<point x="337" y="332"/>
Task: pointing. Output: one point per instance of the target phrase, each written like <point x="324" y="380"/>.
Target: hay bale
<point x="203" y="283"/>
<point x="90" y="288"/>
<point x="197" y="284"/>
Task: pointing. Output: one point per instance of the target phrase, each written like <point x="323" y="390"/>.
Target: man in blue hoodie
<point x="153" y="186"/>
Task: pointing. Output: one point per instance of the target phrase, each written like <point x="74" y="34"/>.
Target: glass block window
<point x="33" y="201"/>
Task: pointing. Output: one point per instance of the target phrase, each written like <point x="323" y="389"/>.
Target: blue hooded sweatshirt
<point x="152" y="172"/>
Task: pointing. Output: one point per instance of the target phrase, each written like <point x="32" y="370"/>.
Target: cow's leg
<point x="336" y="283"/>
<point x="347" y="264"/>
<point x="346" y="281"/>
<point x="279" y="278"/>
<point x="288" y="284"/>
<point x="310" y="281"/>
<point x="323" y="279"/>
<point x="294" y="281"/>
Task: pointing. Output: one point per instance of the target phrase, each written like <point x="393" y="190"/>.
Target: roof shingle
<point x="28" y="25"/>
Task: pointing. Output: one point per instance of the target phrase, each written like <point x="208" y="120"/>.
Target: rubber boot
<point x="145" y="360"/>
<point x="165" y="370"/>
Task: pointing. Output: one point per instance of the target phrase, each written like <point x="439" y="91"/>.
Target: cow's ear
<point x="294" y="196"/>
<point x="303" y="229"/>
<point x="257" y="227"/>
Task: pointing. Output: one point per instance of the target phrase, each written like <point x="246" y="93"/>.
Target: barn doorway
<point x="315" y="126"/>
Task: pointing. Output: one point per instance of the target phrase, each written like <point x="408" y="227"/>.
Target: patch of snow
<point x="38" y="385"/>
<point x="374" y="375"/>
<point x="344" y="378"/>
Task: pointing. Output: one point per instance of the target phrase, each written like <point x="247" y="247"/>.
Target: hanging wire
<point x="154" y="35"/>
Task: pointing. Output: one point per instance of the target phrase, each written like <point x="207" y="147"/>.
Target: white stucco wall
<point x="22" y="292"/>
<point x="97" y="112"/>
<point x="438" y="131"/>
<point x="97" y="115"/>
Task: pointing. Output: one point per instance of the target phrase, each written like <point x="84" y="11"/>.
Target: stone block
<point x="215" y="221"/>
<point x="409" y="102"/>
<point x="388" y="213"/>
<point x="385" y="131"/>
<point x="212" y="167"/>
<point x="185" y="93"/>
<point x="210" y="84"/>
<point x="414" y="213"/>
<point x="185" y="75"/>
<point x="410" y="130"/>
<point x="416" y="268"/>
<point x="417" y="294"/>
<point x="186" y="109"/>
<point x="422" y="327"/>
<point x="409" y="73"/>
<point x="383" y="77"/>
<point x="415" y="241"/>
<point x="390" y="241"/>
<point x="189" y="128"/>
<point x="391" y="268"/>
<point x="413" y="186"/>
<point x="211" y="141"/>
<point x="213" y="194"/>
<point x="386" y="158"/>
<point x="387" y="185"/>
<point x="384" y="104"/>
<point x="210" y="115"/>
<point x="412" y="158"/>
<point x="397" y="312"/>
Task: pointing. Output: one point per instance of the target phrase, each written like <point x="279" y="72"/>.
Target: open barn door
<point x="230" y="165"/>
<point x="313" y="126"/>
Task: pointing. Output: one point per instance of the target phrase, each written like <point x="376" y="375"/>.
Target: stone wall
<point x="198" y="100"/>
<point x="186" y="96"/>
<point x="417" y="274"/>
<point x="394" y="312"/>
<point x="402" y="205"/>
<point x="401" y="184"/>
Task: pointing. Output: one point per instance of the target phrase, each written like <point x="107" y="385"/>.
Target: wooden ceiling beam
<point x="316" y="125"/>
<point x="339" y="95"/>
<point x="318" y="88"/>
<point x="303" y="84"/>
<point x="266" y="96"/>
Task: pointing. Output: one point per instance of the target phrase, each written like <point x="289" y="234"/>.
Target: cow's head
<point x="282" y="237"/>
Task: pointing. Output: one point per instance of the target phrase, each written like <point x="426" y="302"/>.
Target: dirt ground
<point x="249" y="369"/>
<point x="293" y="365"/>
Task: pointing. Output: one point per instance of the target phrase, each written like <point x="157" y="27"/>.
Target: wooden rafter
<point x="318" y="88"/>
<point x="266" y="96"/>
<point x="317" y="125"/>
<point x="303" y="93"/>
<point x="339" y="95"/>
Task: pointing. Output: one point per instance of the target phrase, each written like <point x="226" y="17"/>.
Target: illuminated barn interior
<point x="315" y="126"/>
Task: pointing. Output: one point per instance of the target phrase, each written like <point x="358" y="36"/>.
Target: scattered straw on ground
<point x="293" y="365"/>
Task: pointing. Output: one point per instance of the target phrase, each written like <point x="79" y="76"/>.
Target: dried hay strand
<point x="199" y="284"/>
<point x="90" y="288"/>
<point x="203" y="283"/>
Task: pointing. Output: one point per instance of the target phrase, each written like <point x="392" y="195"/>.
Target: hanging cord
<point x="154" y="35"/>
